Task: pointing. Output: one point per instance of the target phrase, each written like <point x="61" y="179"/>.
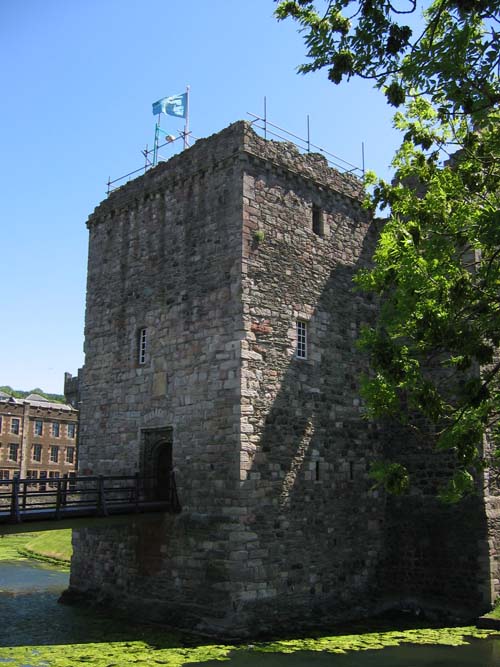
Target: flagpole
<point x="186" y="125"/>
<point x="155" y="150"/>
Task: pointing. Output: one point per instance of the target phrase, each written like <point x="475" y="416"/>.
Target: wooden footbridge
<point x="42" y="504"/>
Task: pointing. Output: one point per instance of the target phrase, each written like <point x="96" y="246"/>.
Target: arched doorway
<point x="156" y="464"/>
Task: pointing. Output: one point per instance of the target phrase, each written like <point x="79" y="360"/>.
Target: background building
<point x="38" y="437"/>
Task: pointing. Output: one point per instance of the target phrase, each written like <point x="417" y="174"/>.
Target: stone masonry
<point x="202" y="275"/>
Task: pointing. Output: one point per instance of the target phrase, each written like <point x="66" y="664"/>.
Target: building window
<point x="13" y="451"/>
<point x="71" y="428"/>
<point x="54" y="454"/>
<point x="301" y="340"/>
<point x="142" y="338"/>
<point x="37" y="452"/>
<point x="317" y="221"/>
<point x="4" y="474"/>
<point x="72" y="481"/>
<point x="32" y="474"/>
<point x="56" y="429"/>
<point x="53" y="474"/>
<point x="14" y="425"/>
<point x="70" y="454"/>
<point x="38" y="427"/>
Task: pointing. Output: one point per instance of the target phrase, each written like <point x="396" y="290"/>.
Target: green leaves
<point x="453" y="59"/>
<point x="393" y="477"/>
<point x="436" y="269"/>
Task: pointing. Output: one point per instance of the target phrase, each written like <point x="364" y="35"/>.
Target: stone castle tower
<point x="220" y="344"/>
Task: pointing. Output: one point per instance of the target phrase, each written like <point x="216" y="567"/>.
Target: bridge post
<point x="136" y="491"/>
<point x="58" y="498"/>
<point x="101" y="500"/>
<point x="25" y="493"/>
<point x="15" y="515"/>
<point x="64" y="494"/>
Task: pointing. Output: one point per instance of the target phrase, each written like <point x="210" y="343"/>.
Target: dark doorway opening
<point x="157" y="466"/>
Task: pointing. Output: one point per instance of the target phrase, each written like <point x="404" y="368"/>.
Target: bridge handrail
<point x="85" y="478"/>
<point x="96" y="493"/>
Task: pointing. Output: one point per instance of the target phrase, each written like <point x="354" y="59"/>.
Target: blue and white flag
<point x="176" y="105"/>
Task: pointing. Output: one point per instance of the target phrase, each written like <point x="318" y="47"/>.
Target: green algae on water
<point x="146" y="653"/>
<point x="379" y="640"/>
<point x="116" y="654"/>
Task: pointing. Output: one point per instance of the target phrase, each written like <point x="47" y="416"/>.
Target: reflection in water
<point x="23" y="576"/>
<point x="30" y="617"/>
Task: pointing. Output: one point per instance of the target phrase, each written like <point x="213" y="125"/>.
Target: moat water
<point x="37" y="631"/>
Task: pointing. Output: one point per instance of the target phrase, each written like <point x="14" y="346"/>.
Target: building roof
<point x="36" y="397"/>
<point x="37" y="401"/>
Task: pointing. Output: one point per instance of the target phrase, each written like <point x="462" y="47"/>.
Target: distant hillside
<point x="17" y="393"/>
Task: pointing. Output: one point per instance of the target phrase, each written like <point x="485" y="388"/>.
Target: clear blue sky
<point x="78" y="80"/>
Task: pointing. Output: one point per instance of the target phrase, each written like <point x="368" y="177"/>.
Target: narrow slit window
<point x="317" y="221"/>
<point x="142" y="345"/>
<point x="301" y="339"/>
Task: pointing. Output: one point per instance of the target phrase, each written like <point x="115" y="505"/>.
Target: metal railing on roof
<point x="304" y="145"/>
<point x="268" y="129"/>
<point x="148" y="163"/>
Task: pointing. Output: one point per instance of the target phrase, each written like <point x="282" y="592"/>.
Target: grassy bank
<point x="52" y="546"/>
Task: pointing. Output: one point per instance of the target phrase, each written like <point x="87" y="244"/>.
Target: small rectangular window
<point x="56" y="429"/>
<point x="71" y="430"/>
<point x="70" y="454"/>
<point x="142" y="338"/>
<point x="317" y="221"/>
<point x="13" y="452"/>
<point x="14" y="425"/>
<point x="54" y="454"/>
<point x="38" y="427"/>
<point x="37" y="452"/>
<point x="301" y="340"/>
<point x="4" y="474"/>
<point x="53" y="475"/>
<point x="32" y="474"/>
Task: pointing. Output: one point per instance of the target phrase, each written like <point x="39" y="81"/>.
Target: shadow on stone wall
<point x="323" y="543"/>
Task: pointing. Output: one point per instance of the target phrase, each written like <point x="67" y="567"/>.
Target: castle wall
<point x="218" y="254"/>
<point x="306" y="449"/>
<point x="436" y="555"/>
<point x="164" y="255"/>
